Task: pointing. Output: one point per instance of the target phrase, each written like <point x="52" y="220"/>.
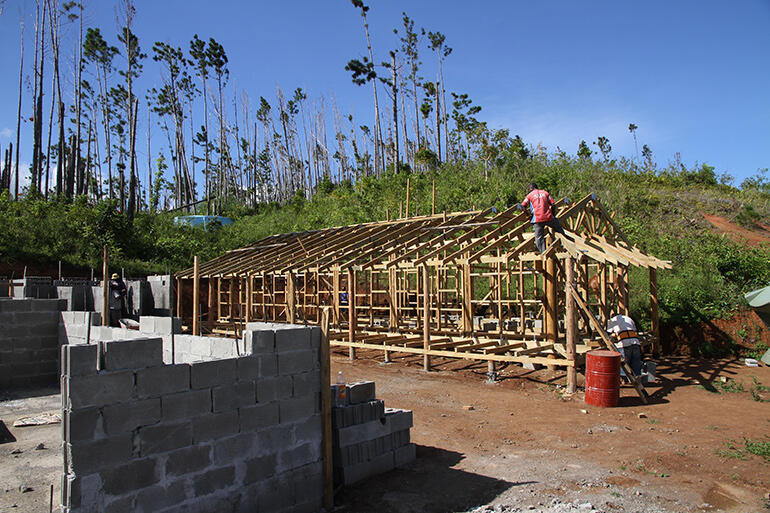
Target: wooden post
<point x="426" y="317"/>
<point x="179" y="285"/>
<point x="219" y="297"/>
<point x="291" y="315"/>
<point x="654" y="314"/>
<point x="467" y="305"/>
<point x="571" y="324"/>
<point x="407" y="198"/>
<point x="249" y="297"/>
<point x="603" y="306"/>
<point x="551" y="314"/>
<point x="352" y="311"/>
<point x="196" y="325"/>
<point x="106" y="287"/>
<point x="212" y="308"/>
<point x="326" y="413"/>
<point x="231" y="298"/>
<point x="623" y="290"/>
<point x="336" y="297"/>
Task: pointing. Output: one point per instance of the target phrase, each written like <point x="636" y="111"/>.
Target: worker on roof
<point x="543" y="210"/>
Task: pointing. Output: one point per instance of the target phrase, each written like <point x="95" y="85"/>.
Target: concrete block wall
<point x="368" y="439"/>
<point x="229" y="434"/>
<point x="29" y="344"/>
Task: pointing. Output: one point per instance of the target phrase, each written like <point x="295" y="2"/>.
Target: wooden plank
<point x="326" y="413"/>
<point x="196" y="325"/>
<point x="570" y="322"/>
<point x="426" y="316"/>
<point x="456" y="355"/>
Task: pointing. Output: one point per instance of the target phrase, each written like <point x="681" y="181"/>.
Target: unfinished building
<point x="459" y="285"/>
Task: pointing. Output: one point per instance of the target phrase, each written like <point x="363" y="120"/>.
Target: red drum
<point x="603" y="378"/>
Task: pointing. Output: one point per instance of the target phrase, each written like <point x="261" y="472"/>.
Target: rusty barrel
<point x="602" y="378"/>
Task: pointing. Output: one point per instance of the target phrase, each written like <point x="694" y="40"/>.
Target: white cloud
<point x="5" y="133"/>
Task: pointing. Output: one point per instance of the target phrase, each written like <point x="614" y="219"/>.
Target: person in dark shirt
<point x="117" y="298"/>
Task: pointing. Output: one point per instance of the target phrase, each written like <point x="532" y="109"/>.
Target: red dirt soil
<point x="524" y="444"/>
<point x="760" y="235"/>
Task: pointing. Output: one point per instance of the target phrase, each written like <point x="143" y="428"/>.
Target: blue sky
<point x="693" y="75"/>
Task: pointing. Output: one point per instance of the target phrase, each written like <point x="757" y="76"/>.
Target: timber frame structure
<point x="459" y="285"/>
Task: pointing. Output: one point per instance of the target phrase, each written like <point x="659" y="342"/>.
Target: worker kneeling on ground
<point x="543" y="210"/>
<point x="623" y="331"/>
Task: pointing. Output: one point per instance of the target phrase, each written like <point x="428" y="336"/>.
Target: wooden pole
<point x="106" y="287"/>
<point x="196" y="325"/>
<point x="336" y="297"/>
<point x="290" y="303"/>
<point x="467" y="304"/>
<point x="571" y="324"/>
<point x="654" y="314"/>
<point x="249" y="298"/>
<point x="426" y="317"/>
<point x="603" y="307"/>
<point x="231" y="299"/>
<point x="623" y="281"/>
<point x="326" y="413"/>
<point x="352" y="311"/>
<point x="551" y="315"/>
<point x="212" y="307"/>
<point x="219" y="297"/>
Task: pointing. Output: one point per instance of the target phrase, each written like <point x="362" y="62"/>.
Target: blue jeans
<point x="633" y="356"/>
<point x="540" y="232"/>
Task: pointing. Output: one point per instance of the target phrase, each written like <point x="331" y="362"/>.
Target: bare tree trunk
<point x="87" y="172"/>
<point x="132" y="185"/>
<point x="378" y="157"/>
<point x="149" y="165"/>
<point x="18" y="115"/>
<point x="438" y="124"/>
<point x="396" y="161"/>
<point x="78" y="91"/>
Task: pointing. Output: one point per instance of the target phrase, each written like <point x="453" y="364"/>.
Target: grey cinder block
<point x="227" y="450"/>
<point x="258" y="416"/>
<point x="213" y="373"/>
<point x="164" y="438"/>
<point x="214" y="426"/>
<point x="188" y="460"/>
<point x="100" y="389"/>
<point x="131" y="476"/>
<point x="232" y="396"/>
<point x="186" y="405"/>
<point x="291" y="410"/>
<point x="214" y="480"/>
<point x="405" y="455"/>
<point x="292" y="339"/>
<point x="125" y="417"/>
<point x="298" y="456"/>
<point x="259" y="342"/>
<point x="260" y="468"/>
<point x="253" y="367"/>
<point x="162" y="380"/>
<point x="81" y="425"/>
<point x="296" y="362"/>
<point x="273" y="389"/>
<point x="360" y="392"/>
<point x="132" y="354"/>
<point x="306" y="383"/>
<point x="89" y="457"/>
<point x="80" y="359"/>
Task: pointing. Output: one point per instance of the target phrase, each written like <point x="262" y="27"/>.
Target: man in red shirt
<point x="541" y="205"/>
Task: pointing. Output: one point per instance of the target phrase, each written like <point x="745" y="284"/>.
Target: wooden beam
<point x="326" y="413"/>
<point x="211" y="308"/>
<point x="426" y="316"/>
<point x="249" y="298"/>
<point x="291" y="305"/>
<point x="570" y="323"/>
<point x="106" y="287"/>
<point x="196" y="325"/>
<point x="352" y="311"/>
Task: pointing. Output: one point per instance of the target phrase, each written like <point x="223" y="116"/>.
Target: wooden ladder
<point x="608" y="345"/>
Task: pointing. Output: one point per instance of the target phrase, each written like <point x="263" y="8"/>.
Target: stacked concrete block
<point x="29" y="343"/>
<point x="229" y="434"/>
<point x="38" y="287"/>
<point x="369" y="439"/>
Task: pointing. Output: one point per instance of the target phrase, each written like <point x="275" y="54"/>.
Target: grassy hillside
<point x="660" y="211"/>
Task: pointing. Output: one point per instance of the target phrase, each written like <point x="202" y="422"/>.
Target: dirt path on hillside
<point x="756" y="237"/>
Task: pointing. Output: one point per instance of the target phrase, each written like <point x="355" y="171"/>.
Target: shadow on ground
<point x="430" y="484"/>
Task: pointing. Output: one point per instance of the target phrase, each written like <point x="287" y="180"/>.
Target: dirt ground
<point x="756" y="237"/>
<point x="516" y="445"/>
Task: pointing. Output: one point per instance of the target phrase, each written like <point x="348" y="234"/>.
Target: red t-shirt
<point x="539" y="202"/>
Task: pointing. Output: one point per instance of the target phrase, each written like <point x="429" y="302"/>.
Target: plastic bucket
<point x="603" y="378"/>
